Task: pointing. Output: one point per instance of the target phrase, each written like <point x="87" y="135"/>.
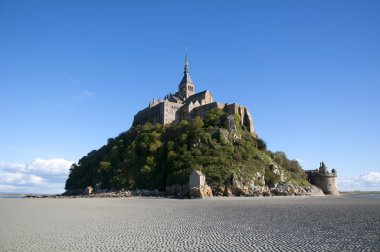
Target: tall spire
<point x="186" y="73"/>
<point x="186" y="69"/>
<point x="186" y="86"/>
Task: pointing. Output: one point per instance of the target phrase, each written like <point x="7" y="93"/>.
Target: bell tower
<point x="186" y="87"/>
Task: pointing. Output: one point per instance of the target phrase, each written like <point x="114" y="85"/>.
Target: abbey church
<point x="186" y="104"/>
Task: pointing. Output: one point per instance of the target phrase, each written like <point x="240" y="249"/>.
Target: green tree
<point x="154" y="156"/>
<point x="261" y="144"/>
<point x="215" y="117"/>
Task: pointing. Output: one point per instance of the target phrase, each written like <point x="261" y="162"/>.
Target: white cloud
<point x="7" y="188"/>
<point x="40" y="175"/>
<point x="303" y="164"/>
<point x="73" y="80"/>
<point x="370" y="177"/>
<point x="364" y="182"/>
<point x="57" y="166"/>
<point x="33" y="179"/>
<point x="18" y="178"/>
<point x="86" y="93"/>
<point x="9" y="177"/>
<point x="50" y="166"/>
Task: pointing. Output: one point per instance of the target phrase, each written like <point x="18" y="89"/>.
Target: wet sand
<point x="218" y="224"/>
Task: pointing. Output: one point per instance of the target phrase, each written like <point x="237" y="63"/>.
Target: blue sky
<point x="73" y="74"/>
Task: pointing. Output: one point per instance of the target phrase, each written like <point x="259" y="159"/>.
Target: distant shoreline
<point x="360" y="192"/>
<point x="59" y="196"/>
<point x="21" y="195"/>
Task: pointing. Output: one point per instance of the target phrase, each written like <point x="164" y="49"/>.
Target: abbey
<point x="186" y="104"/>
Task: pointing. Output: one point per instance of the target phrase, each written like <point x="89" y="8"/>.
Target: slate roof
<point x="196" y="97"/>
<point x="198" y="172"/>
<point x="186" y="79"/>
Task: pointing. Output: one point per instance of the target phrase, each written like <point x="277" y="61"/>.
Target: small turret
<point x="322" y="168"/>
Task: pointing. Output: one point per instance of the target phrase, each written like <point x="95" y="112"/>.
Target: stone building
<point x="323" y="179"/>
<point x="186" y="104"/>
<point x="197" y="179"/>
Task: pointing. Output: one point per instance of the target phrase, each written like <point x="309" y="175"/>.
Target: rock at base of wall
<point x="88" y="190"/>
<point x="316" y="191"/>
<point x="333" y="193"/>
<point x="218" y="190"/>
<point x="250" y="190"/>
<point x="228" y="191"/>
<point x="147" y="193"/>
<point x="177" y="190"/>
<point x="200" y="192"/>
<point x="73" y="192"/>
<point x="260" y="191"/>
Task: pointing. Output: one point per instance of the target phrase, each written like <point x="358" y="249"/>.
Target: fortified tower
<point x="323" y="179"/>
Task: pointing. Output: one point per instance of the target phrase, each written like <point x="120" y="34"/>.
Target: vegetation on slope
<point x="154" y="156"/>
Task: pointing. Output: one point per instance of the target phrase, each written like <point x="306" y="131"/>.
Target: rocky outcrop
<point x="88" y="190"/>
<point x="200" y="192"/>
<point x="284" y="189"/>
<point x="241" y="186"/>
<point x="73" y="192"/>
<point x="147" y="193"/>
<point x="177" y="190"/>
<point x="107" y="193"/>
<point x="277" y="171"/>
<point x="316" y="191"/>
<point x="247" y="188"/>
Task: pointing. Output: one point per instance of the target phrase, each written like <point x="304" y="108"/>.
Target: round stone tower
<point x="327" y="180"/>
<point x="328" y="183"/>
<point x="323" y="179"/>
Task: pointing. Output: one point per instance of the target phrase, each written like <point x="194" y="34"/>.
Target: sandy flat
<point x="219" y="224"/>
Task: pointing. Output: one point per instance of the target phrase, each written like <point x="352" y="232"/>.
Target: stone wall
<point x="245" y="116"/>
<point x="202" y="110"/>
<point x="170" y="111"/>
<point x="153" y="114"/>
<point x="328" y="184"/>
<point x="196" y="179"/>
<point x="166" y="112"/>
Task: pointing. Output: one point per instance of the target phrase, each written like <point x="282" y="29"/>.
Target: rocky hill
<point x="156" y="157"/>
